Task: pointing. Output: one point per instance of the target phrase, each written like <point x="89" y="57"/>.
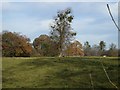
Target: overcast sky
<point x="91" y="19"/>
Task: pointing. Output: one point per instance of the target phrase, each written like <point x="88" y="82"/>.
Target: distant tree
<point x="95" y="50"/>
<point x="14" y="44"/>
<point x="102" y="46"/>
<point x="74" y="49"/>
<point x="87" y="49"/>
<point x="42" y="45"/>
<point x="45" y="46"/>
<point x="61" y="32"/>
<point x="112" y="46"/>
<point x="113" y="51"/>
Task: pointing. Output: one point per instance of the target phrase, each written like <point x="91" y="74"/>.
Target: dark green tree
<point x="87" y="49"/>
<point x="42" y="45"/>
<point x="45" y="46"/>
<point x="102" y="45"/>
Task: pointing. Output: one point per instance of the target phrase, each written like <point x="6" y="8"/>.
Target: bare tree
<point x="61" y="29"/>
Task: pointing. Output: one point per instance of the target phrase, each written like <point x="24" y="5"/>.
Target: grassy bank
<point x="67" y="72"/>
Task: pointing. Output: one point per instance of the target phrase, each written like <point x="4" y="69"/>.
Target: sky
<point x="91" y="22"/>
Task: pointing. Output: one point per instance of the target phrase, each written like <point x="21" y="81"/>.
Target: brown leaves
<point x="14" y="44"/>
<point x="74" y="49"/>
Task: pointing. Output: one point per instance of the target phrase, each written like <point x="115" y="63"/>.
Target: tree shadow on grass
<point x="37" y="63"/>
<point x="72" y="78"/>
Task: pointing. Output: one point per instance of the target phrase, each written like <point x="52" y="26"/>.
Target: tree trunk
<point x="60" y="55"/>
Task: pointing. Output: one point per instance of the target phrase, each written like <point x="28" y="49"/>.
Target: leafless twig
<point x="112" y="17"/>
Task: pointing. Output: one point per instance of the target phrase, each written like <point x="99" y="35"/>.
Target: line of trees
<point x="58" y="43"/>
<point x="16" y="45"/>
<point x="100" y="49"/>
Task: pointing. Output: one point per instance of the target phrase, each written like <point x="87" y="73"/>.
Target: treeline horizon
<point x="16" y="45"/>
<point x="60" y="42"/>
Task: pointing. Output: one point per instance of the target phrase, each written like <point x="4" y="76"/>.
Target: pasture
<point x="54" y="72"/>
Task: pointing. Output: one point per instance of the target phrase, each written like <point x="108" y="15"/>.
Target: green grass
<point x="67" y="72"/>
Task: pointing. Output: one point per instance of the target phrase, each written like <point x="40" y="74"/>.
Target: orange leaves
<point x="74" y="49"/>
<point x="14" y="44"/>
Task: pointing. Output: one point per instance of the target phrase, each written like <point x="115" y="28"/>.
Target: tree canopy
<point x="45" y="46"/>
<point x="14" y="44"/>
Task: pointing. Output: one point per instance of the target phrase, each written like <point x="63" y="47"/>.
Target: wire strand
<point x="112" y="17"/>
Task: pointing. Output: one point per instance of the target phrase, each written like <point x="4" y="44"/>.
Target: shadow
<point x="37" y="63"/>
<point x="66" y="73"/>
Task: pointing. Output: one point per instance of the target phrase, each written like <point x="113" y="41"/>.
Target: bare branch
<point x="112" y="17"/>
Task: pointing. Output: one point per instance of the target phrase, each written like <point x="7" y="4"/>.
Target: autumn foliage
<point x="17" y="45"/>
<point x="74" y="49"/>
<point x="14" y="44"/>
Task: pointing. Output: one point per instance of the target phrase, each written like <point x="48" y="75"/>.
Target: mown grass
<point x="67" y="72"/>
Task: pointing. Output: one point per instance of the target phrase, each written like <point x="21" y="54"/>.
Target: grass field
<point x="67" y="72"/>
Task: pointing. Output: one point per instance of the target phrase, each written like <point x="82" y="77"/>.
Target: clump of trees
<point x="100" y="49"/>
<point x="15" y="45"/>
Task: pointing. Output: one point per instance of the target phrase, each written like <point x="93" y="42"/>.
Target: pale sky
<point x="92" y="21"/>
